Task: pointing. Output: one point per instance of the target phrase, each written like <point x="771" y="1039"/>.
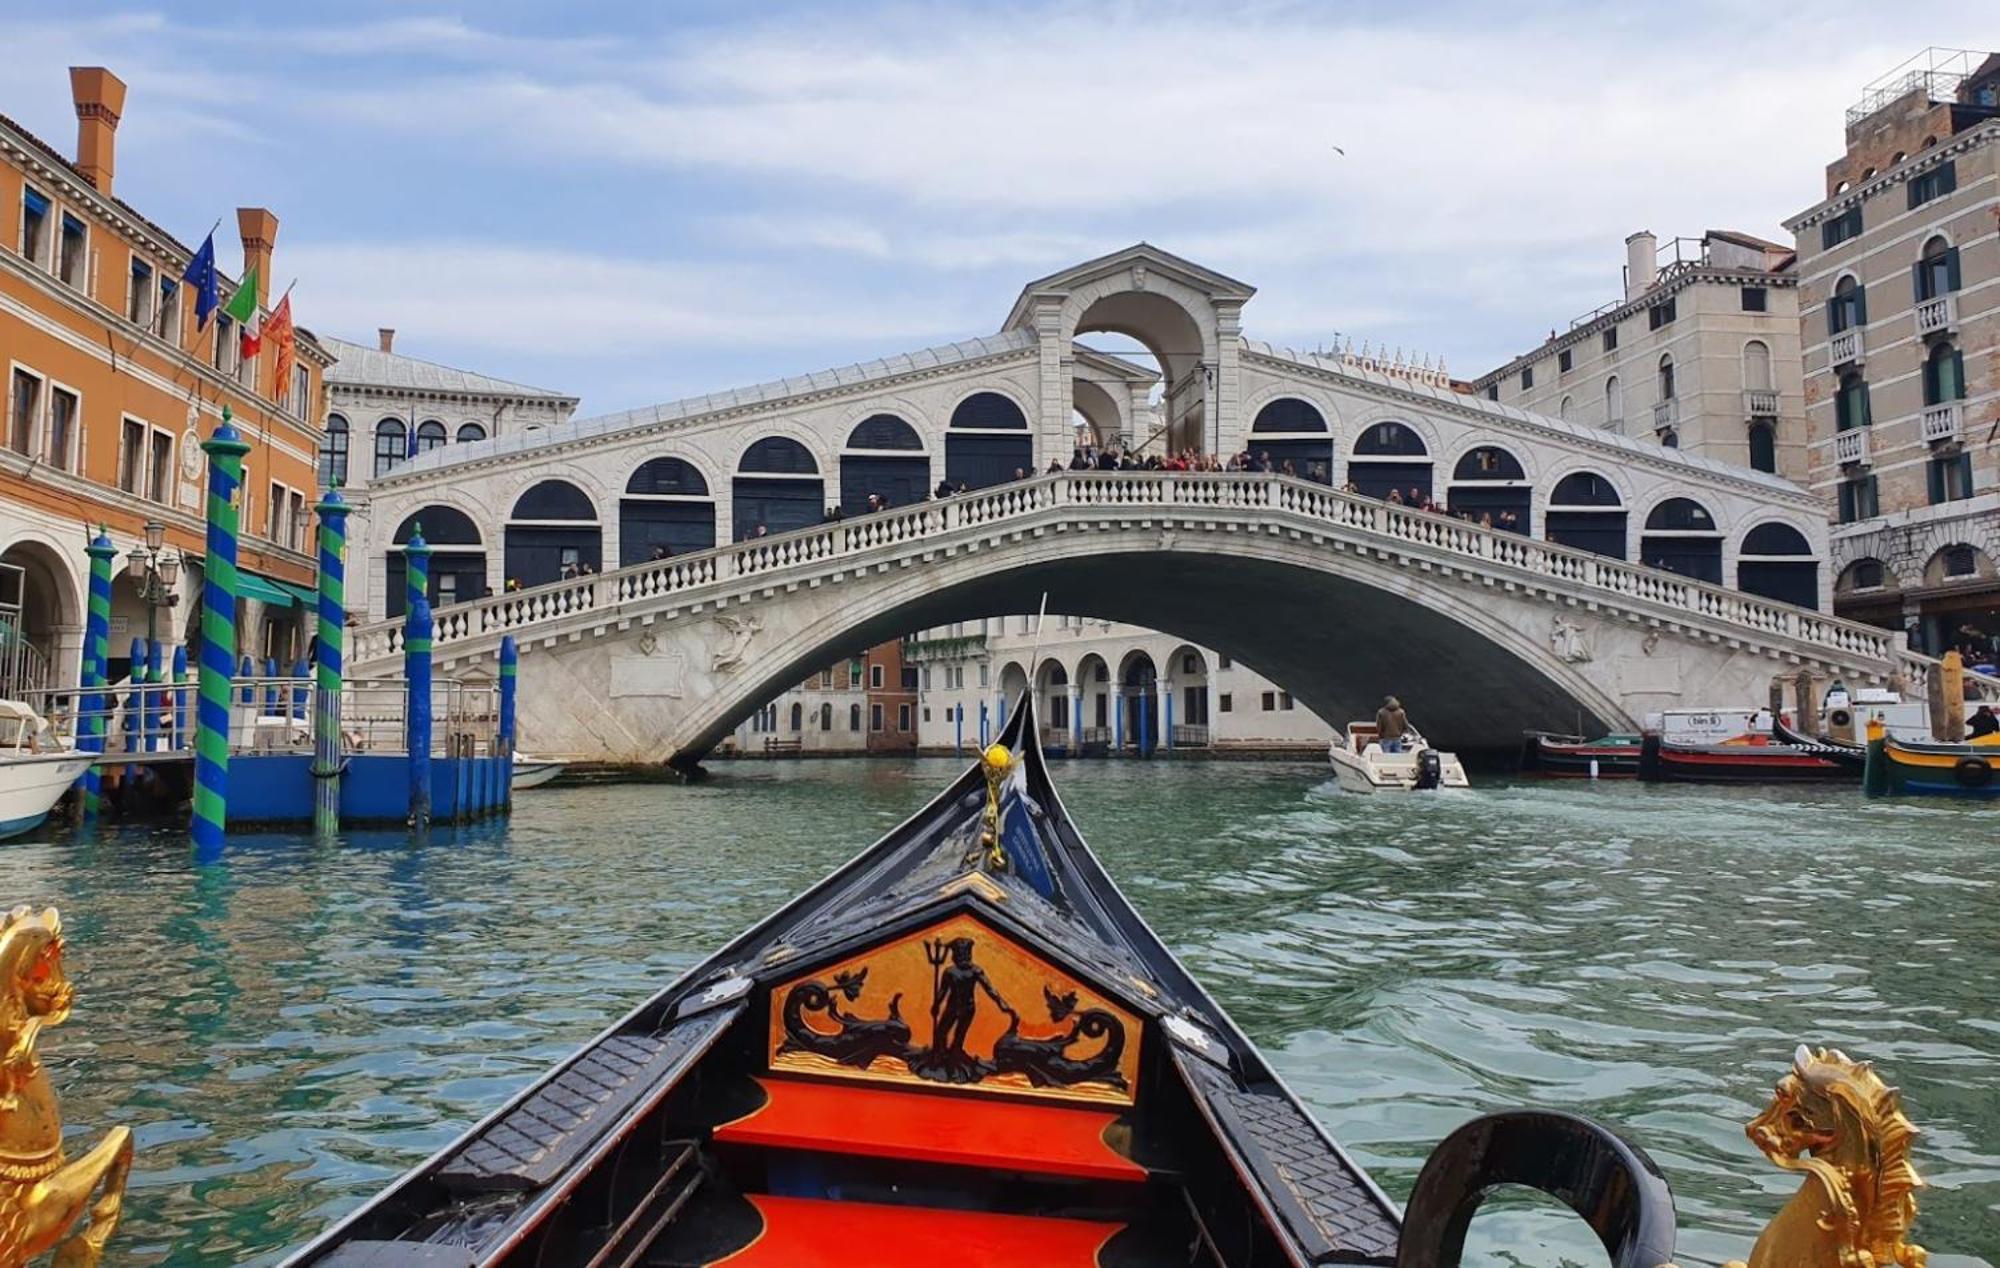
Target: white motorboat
<point x="533" y="772"/>
<point x="1361" y="765"/>
<point x="35" y="768"/>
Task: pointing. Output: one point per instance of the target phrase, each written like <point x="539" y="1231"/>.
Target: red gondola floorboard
<point x="812" y="1233"/>
<point x="970" y="1131"/>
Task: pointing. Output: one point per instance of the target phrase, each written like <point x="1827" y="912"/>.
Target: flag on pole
<point x="242" y="307"/>
<point x="279" y="333"/>
<point x="200" y="275"/>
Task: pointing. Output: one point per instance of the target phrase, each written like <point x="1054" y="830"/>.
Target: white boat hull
<point x="31" y="785"/>
<point x="533" y="772"/>
<point x="1370" y="770"/>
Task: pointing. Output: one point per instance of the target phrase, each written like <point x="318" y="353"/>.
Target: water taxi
<point x="1362" y="765"/>
<point x="964" y="1047"/>
<point x="36" y="769"/>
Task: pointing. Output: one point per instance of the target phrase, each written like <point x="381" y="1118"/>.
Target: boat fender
<point x="1430" y="769"/>
<point x="1972" y="772"/>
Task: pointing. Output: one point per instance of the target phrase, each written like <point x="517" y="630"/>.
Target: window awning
<point x="308" y="598"/>
<point x="263" y="590"/>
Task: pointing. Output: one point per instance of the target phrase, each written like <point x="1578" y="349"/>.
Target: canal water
<point x="288" y="1031"/>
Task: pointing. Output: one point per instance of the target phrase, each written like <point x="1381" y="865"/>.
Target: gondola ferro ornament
<point x="1834" y="1119"/>
<point x="42" y="1196"/>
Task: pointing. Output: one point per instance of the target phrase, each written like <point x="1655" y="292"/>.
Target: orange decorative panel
<point x="957" y="1004"/>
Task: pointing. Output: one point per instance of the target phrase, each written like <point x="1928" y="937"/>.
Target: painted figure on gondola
<point x="859" y="1042"/>
<point x="954" y="1003"/>
<point x="972" y="1035"/>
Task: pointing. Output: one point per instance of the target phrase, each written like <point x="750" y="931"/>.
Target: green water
<point x="290" y="1030"/>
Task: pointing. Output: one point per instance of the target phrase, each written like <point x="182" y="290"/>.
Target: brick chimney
<point x="259" y="230"/>
<point x="100" y="99"/>
<point x="385" y="336"/>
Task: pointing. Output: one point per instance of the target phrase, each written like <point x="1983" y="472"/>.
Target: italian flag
<point x="242" y="307"/>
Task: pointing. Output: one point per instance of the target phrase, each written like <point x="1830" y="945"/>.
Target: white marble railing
<point x="1845" y="346"/>
<point x="715" y="573"/>
<point x="1850" y="447"/>
<point x="1943" y="422"/>
<point x="1935" y="316"/>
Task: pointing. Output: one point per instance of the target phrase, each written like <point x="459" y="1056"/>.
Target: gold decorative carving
<point x="1835" y="1120"/>
<point x="957" y="1004"/>
<point x="41" y="1195"/>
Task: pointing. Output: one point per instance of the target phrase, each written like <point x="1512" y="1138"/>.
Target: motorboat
<point x="1748" y="759"/>
<point x="36" y="768"/>
<point x="1908" y="768"/>
<point x="964" y="1046"/>
<point x="533" y="772"/>
<point x="1572" y="756"/>
<point x="1362" y="765"/>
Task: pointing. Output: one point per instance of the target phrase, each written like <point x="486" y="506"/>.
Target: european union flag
<point x="201" y="275"/>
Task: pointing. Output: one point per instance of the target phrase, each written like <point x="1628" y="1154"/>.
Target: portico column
<point x="1225" y="427"/>
<point x="1056" y="367"/>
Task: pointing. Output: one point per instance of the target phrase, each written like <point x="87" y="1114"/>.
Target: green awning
<point x="263" y="590"/>
<point x="308" y="598"/>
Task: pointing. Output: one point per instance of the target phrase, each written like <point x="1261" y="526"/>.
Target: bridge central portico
<point x="1338" y="596"/>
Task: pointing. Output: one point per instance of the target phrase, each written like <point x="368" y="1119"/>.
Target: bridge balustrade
<point x="1254" y="493"/>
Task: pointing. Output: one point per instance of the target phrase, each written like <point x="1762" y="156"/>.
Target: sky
<point x="636" y="202"/>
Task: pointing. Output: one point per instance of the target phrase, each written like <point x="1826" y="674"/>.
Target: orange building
<point x="110" y="389"/>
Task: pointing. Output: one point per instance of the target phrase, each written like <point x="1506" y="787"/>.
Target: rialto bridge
<point x="1630" y="577"/>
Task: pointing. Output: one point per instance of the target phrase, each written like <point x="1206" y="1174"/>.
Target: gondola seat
<point x="997" y="1133"/>
<point x="812" y="1233"/>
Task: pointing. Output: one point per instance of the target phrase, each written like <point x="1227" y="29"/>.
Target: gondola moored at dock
<point x="1573" y="757"/>
<point x="1906" y="768"/>
<point x="962" y="1047"/>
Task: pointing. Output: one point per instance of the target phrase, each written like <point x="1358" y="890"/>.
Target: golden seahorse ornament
<point x="41" y="1195"/>
<point x="1834" y="1119"/>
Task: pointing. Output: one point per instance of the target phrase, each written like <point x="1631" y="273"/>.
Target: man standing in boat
<point x="1391" y="724"/>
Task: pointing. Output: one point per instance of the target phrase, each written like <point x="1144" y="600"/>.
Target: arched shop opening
<point x="987" y="442"/>
<point x="553" y="534"/>
<point x="1291" y="430"/>
<point x="457" y="560"/>
<point x="1488" y="485"/>
<point x="778" y="489"/>
<point x="884" y="456"/>
<point x="667" y="509"/>
<point x="1586" y="513"/>
<point x="1776" y="562"/>
<point x="1681" y="536"/>
<point x="1390" y="457"/>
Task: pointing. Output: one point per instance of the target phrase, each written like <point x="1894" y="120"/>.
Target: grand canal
<point x="289" y="1030"/>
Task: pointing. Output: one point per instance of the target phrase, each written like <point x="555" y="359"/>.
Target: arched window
<point x="884" y="460"/>
<point x="1848" y="308"/>
<point x="1293" y="432"/>
<point x="552" y="535"/>
<point x="1764" y="447"/>
<point x="987" y="442"/>
<point x="1937" y="270"/>
<point x="1562" y="409"/>
<point x="777" y="488"/>
<point x="1670" y="438"/>
<point x="1586" y="513"/>
<point x="1667" y="378"/>
<point x="1614" y="403"/>
<point x="468" y="432"/>
<point x="1489" y="487"/>
<point x="392" y="445"/>
<point x="854" y="717"/>
<point x="1757" y="366"/>
<point x="1944" y="375"/>
<point x="798" y="716"/>
<point x="1851" y="404"/>
<point x="1681" y="536"/>
<point x="333" y="453"/>
<point x="431" y="435"/>
<point x="1775" y="561"/>
<point x="666" y="510"/>
<point x="1391" y="458"/>
<point x="457" y="559"/>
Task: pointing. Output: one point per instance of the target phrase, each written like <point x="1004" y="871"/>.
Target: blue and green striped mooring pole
<point x="417" y="569"/>
<point x="91" y="709"/>
<point x="225" y="449"/>
<point x="417" y="712"/>
<point x="331" y="637"/>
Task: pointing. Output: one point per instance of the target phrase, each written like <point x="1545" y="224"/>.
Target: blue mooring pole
<point x="182" y="740"/>
<point x="93" y="705"/>
<point x="985" y="738"/>
<point x="958" y="729"/>
<point x="510" y="686"/>
<point x="225" y="449"/>
<point x="156" y="695"/>
<point x="417" y="630"/>
<point x="1168" y="730"/>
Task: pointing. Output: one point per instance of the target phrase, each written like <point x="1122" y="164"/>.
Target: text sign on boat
<point x="957" y="1004"/>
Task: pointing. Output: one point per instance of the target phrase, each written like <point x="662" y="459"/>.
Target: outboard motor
<point x="1430" y="769"/>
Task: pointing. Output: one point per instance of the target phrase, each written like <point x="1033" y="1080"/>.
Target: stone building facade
<point x="111" y="386"/>
<point x="1701" y="353"/>
<point x="1899" y="271"/>
<point x="385" y="408"/>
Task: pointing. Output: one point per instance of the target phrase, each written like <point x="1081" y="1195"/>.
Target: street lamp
<point x="154" y="572"/>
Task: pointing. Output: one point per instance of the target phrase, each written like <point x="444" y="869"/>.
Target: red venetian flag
<point x="277" y="330"/>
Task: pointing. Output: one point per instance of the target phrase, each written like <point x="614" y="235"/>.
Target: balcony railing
<point x="1944" y="422"/>
<point x="1937" y="316"/>
<point x="1850" y="447"/>
<point x="1666" y="414"/>
<point x="1760" y="403"/>
<point x="1845" y="347"/>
